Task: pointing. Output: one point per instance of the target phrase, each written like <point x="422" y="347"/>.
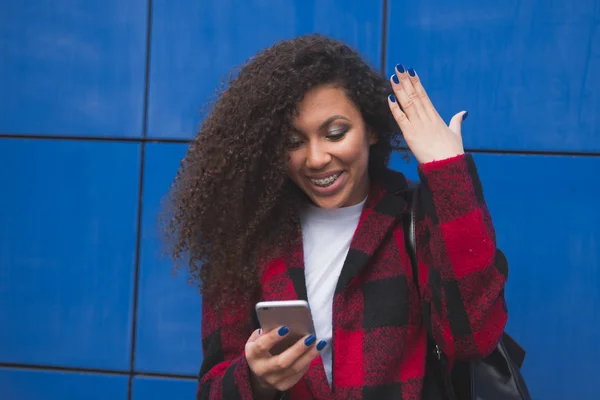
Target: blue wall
<point x="99" y="98"/>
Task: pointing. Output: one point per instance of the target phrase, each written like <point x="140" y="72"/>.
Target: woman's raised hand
<point x="425" y="132"/>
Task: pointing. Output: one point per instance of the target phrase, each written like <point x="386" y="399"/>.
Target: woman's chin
<point x="329" y="202"/>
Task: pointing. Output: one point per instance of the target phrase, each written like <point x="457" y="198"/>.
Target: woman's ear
<point x="373" y="139"/>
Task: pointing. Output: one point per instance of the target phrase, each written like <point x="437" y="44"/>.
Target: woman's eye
<point x="294" y="143"/>
<point x="337" y="134"/>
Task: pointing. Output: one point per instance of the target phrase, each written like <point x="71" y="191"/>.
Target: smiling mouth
<point x="325" y="182"/>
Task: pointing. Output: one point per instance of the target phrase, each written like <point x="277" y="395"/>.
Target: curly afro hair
<point x="231" y="203"/>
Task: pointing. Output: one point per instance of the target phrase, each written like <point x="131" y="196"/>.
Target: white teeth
<point x="326" y="181"/>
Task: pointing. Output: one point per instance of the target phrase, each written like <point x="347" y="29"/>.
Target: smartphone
<point x="295" y="314"/>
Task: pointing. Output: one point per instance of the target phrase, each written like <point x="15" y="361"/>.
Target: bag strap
<point x="410" y="227"/>
<point x="410" y="238"/>
<point x="440" y="363"/>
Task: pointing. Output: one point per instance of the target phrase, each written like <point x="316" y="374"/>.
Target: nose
<point x="317" y="157"/>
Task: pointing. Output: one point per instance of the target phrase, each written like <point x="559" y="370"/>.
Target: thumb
<point x="456" y="122"/>
<point x="255" y="335"/>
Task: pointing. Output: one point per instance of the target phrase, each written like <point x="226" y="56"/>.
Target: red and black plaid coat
<point x="379" y="340"/>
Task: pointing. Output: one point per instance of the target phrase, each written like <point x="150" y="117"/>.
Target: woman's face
<point x="329" y="149"/>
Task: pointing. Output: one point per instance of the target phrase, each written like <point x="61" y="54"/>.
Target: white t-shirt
<point x="326" y="236"/>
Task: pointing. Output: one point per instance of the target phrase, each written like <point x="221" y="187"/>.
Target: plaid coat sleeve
<point x="224" y="373"/>
<point x="461" y="272"/>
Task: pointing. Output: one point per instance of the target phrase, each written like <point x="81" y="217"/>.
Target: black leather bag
<point x="496" y="377"/>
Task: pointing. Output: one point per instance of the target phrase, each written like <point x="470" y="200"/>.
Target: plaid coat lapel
<point x="284" y="277"/>
<point x="294" y="260"/>
<point x="381" y="212"/>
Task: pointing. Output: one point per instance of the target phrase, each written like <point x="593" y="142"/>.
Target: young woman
<point x="286" y="194"/>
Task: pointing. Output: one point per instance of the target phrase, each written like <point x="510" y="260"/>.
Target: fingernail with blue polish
<point x="395" y="79"/>
<point x="465" y="115"/>
<point x="310" y="340"/>
<point x="259" y="331"/>
<point x="283" y="331"/>
<point x="411" y="72"/>
<point x="400" y="68"/>
<point x="392" y="98"/>
<point x="321" y="345"/>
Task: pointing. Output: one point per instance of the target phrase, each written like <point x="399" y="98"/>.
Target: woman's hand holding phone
<point x="272" y="373"/>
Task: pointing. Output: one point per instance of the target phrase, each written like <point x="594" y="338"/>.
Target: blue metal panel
<point x="73" y="68"/>
<point x="156" y="388"/>
<point x="67" y="247"/>
<point x="17" y="384"/>
<point x="169" y="308"/>
<point x="546" y="215"/>
<point x="527" y="71"/>
<point x="196" y="43"/>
